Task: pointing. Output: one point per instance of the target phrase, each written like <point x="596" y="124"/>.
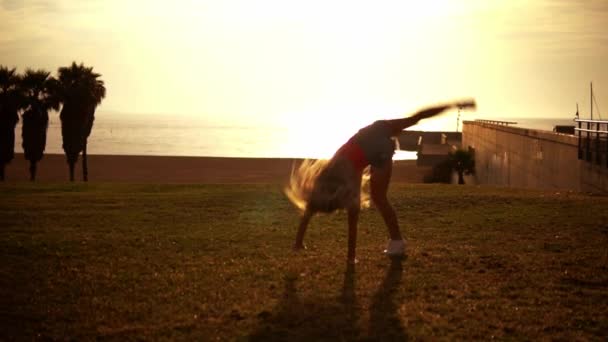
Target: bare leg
<point x="380" y="178"/>
<point x="299" y="244"/>
<point x="353" y="220"/>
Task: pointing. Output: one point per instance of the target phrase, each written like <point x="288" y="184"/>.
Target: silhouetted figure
<point x="337" y="183"/>
<point x="11" y="101"/>
<point x="40" y="90"/>
<point x="80" y="92"/>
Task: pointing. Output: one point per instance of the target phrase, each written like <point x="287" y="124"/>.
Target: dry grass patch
<point x="201" y="262"/>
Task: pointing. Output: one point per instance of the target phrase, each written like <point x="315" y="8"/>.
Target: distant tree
<point x="463" y="162"/>
<point x="80" y="92"/>
<point x="40" y="91"/>
<point x="11" y="101"/>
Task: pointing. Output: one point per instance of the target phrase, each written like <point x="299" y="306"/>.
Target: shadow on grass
<point x="384" y="322"/>
<point x="296" y="319"/>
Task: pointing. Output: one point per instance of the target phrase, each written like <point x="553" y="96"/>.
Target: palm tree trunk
<point x="460" y="177"/>
<point x="85" y="166"/>
<point x="32" y="170"/>
<point x="71" y="165"/>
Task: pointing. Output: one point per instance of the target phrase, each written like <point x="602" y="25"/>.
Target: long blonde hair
<point x="304" y="178"/>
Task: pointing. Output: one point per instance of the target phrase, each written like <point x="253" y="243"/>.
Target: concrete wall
<point x="594" y="178"/>
<point x="520" y="157"/>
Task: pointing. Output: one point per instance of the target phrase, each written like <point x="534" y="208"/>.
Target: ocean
<point x="155" y="135"/>
<point x="158" y="135"/>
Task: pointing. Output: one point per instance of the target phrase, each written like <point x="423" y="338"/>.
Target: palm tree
<point x="80" y="92"/>
<point x="463" y="162"/>
<point x="40" y="90"/>
<point x="11" y="102"/>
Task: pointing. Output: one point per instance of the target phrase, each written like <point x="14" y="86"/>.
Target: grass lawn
<point x="208" y="262"/>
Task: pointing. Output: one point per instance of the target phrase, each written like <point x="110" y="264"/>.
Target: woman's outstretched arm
<point x="398" y="125"/>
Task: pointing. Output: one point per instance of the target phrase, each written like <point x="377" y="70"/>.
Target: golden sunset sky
<point x="278" y="61"/>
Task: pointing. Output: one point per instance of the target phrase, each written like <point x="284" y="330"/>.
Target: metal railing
<point x="592" y="140"/>
<point x="497" y="122"/>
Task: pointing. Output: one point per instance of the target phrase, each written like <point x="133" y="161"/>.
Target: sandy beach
<point x="168" y="169"/>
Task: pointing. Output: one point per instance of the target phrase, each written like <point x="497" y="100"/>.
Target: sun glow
<point x="319" y="69"/>
<point x="318" y="134"/>
<point x="263" y="60"/>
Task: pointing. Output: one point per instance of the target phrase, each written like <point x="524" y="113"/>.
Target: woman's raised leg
<point x="397" y="125"/>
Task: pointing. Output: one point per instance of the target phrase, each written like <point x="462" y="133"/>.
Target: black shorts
<point x="376" y="142"/>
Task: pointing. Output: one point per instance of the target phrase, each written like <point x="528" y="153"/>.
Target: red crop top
<point x="353" y="152"/>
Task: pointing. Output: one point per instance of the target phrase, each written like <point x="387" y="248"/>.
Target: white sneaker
<point x="395" y="248"/>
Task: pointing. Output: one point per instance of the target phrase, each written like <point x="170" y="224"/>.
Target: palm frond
<point x="9" y="79"/>
<point x="81" y="84"/>
<point x="40" y="89"/>
<point x="11" y="96"/>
